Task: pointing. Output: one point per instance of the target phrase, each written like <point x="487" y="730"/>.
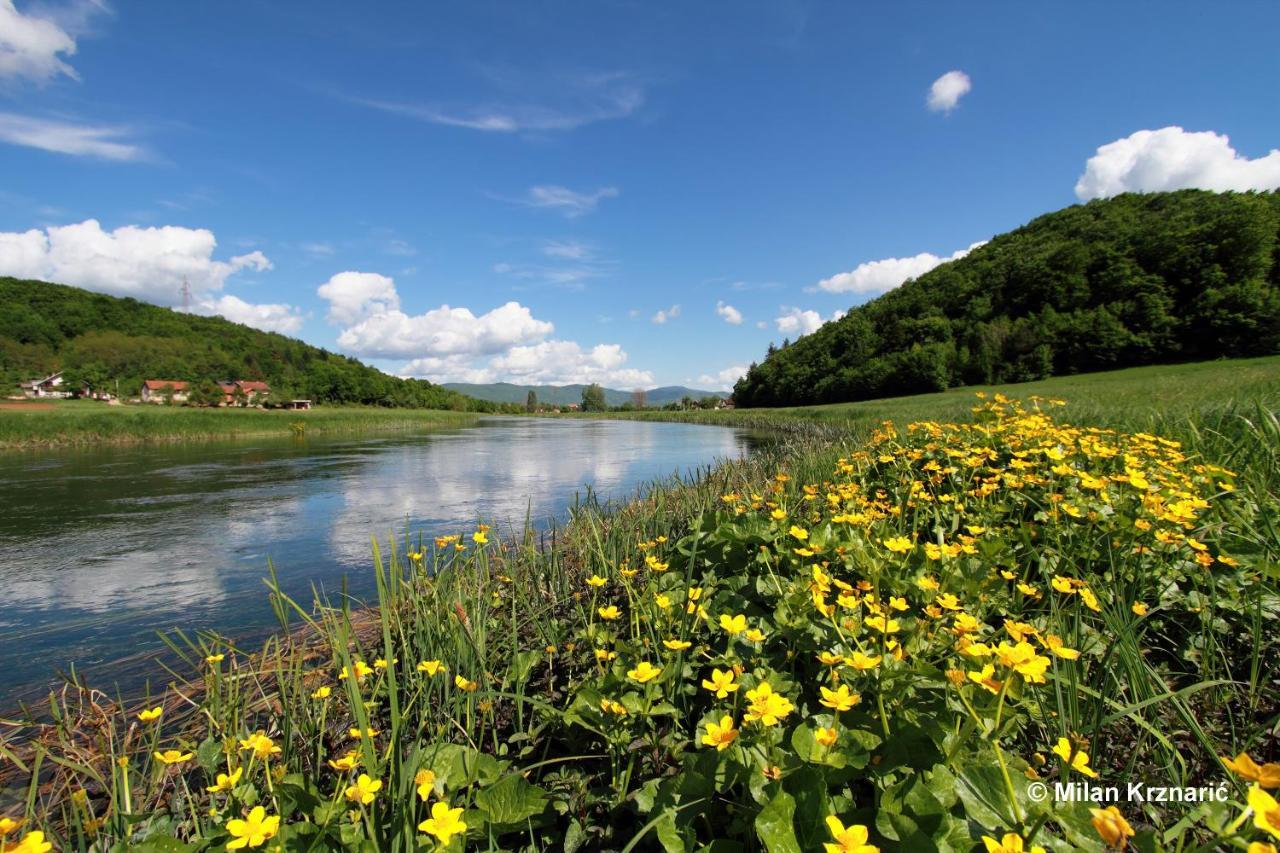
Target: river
<point x="102" y="548"/>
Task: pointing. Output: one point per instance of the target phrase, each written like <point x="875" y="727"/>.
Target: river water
<point x="102" y="548"/>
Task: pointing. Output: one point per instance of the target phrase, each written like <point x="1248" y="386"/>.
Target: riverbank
<point x="899" y="629"/>
<point x="67" y="423"/>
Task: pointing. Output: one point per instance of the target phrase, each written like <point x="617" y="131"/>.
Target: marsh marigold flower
<point x="1111" y="826"/>
<point x="1266" y="811"/>
<point x="721" y="683"/>
<point x="150" y="715"/>
<point x="720" y="735"/>
<point x="431" y="667"/>
<point x="840" y="699"/>
<point x="733" y="625"/>
<point x="596" y="581"/>
<point x="1011" y="843"/>
<point x="897" y="544"/>
<point x="825" y="736"/>
<point x="321" y="692"/>
<point x="677" y="645"/>
<point x="1266" y="775"/>
<point x="444" y="823"/>
<point x="32" y="842"/>
<point x="363" y="790"/>
<point x="346" y="763"/>
<point x="465" y="684"/>
<point x="262" y="746"/>
<point x="253" y="831"/>
<point x="425" y="780"/>
<point x="609" y="613"/>
<point x="644" y="672"/>
<point x="766" y="706"/>
<point x="226" y="781"/>
<point x="173" y="756"/>
<point x="848" y="839"/>
<point x="1078" y="760"/>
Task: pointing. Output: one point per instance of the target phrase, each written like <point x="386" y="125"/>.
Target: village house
<point x="164" y="390"/>
<point x="49" y="386"/>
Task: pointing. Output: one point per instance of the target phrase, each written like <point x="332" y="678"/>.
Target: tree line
<point x="1133" y="280"/>
<point x="105" y="342"/>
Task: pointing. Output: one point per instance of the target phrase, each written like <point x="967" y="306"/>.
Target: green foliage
<point x="103" y="339"/>
<point x="1133" y="280"/>
<point x="593" y="399"/>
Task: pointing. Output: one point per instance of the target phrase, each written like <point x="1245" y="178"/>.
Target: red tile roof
<point x="161" y="384"/>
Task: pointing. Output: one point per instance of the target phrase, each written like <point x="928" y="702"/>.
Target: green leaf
<point x="775" y="824"/>
<point x="513" y="800"/>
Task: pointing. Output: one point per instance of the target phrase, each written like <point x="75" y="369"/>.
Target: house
<point x="254" y="392"/>
<point x="164" y="390"/>
<point x="49" y="386"/>
<point x="299" y="405"/>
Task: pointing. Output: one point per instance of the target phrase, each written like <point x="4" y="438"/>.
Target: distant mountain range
<point x="560" y="395"/>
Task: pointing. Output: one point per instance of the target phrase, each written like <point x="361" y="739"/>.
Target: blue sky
<point x="558" y="174"/>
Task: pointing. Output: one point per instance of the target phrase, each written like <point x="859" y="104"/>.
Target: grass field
<point x="79" y="422"/>
<point x="864" y="635"/>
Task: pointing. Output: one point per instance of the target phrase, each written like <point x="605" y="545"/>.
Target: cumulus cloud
<point x="32" y="47"/>
<point x="665" y="314"/>
<point x="569" y="202"/>
<point x="729" y="314"/>
<point x="872" y="277"/>
<point x="568" y="250"/>
<point x="1171" y="159"/>
<point x="353" y="296"/>
<point x="553" y="362"/>
<point x="794" y="321"/>
<point x="947" y="90"/>
<point x="105" y="142"/>
<point x="151" y="264"/>
<point x="723" y="380"/>
<point x="443" y="331"/>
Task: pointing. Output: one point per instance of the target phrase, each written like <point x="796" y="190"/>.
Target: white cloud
<point x="354" y="296"/>
<point x="567" y="250"/>
<point x="532" y="102"/>
<point x="150" y="264"/>
<point x="281" y="318"/>
<point x="722" y="380"/>
<point x="947" y="90"/>
<point x="553" y="362"/>
<point x="443" y="331"/>
<point x="794" y="321"/>
<point x="1172" y="158"/>
<point x="562" y="199"/>
<point x="64" y="137"/>
<point x="729" y="314"/>
<point x="665" y="314"/>
<point x="30" y="46"/>
<point x="872" y="277"/>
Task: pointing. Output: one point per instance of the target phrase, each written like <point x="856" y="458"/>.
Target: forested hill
<point x="1132" y="280"/>
<point x="101" y="339"/>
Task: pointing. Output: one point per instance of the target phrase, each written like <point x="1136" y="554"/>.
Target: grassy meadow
<point x="892" y="629"/>
<point x="81" y="422"/>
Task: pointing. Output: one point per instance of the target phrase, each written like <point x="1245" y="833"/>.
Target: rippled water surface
<point x="102" y="548"/>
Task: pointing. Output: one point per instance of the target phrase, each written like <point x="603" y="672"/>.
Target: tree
<point x="205" y="392"/>
<point x="531" y="402"/>
<point x="593" y="399"/>
<point x="639" y="398"/>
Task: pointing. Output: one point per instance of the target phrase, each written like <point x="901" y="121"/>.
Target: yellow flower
<point x="1260" y="847"/>
<point x="211" y="659"/>
<point x="986" y="678"/>
<point x="362" y="669"/>
<point x="799" y="532"/>
<point x="596" y="581"/>
<point x="609" y="706"/>
<point x="862" y="662"/>
<point x="1054" y="644"/>
<point x="1078" y="760"/>
<point x="1090" y="600"/>
<point x="381" y="663"/>
<point x="426" y="782"/>
<point x="1266" y="775"/>
<point x="733" y="625"/>
<point x="948" y="601"/>
<point x="644" y="672"/>
<point x="609" y="613"/>
<point x="1111" y="826"/>
<point x="262" y="746"/>
<point x="444" y="822"/>
<point x="927" y="583"/>
<point x="346" y="763"/>
<point x="721" y="683"/>
<point x="896" y="603"/>
<point x="766" y="706"/>
<point x="720" y="735"/>
<point x="479" y="537"/>
<point x="825" y="736"/>
<point x="604" y="655"/>
<point x="355" y="734"/>
<point x="897" y="544"/>
<point x="778" y="514"/>
<point x="884" y="626"/>
<point x="150" y="715"/>
<point x="754" y="635"/>
<point x="1139" y="609"/>
<point x="431" y="667"/>
<point x="850" y="839"/>
<point x="677" y="645"/>
<point x="8" y="824"/>
<point x="173" y="756"/>
<point x="363" y="790"/>
<point x="225" y="782"/>
<point x="829" y="659"/>
<point x="32" y="842"/>
<point x="1011" y="843"/>
<point x="1022" y="659"/>
<point x="321" y="692"/>
<point x="1063" y="584"/>
<point x="254" y="830"/>
<point x="841" y="699"/>
<point x="465" y="684"/>
<point x="663" y="601"/>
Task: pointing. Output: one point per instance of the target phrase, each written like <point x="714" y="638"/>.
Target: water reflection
<point x="99" y="549"/>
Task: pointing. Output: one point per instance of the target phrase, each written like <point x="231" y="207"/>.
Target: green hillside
<point x="102" y="340"/>
<point x="1122" y="282"/>
<point x="561" y="395"/>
